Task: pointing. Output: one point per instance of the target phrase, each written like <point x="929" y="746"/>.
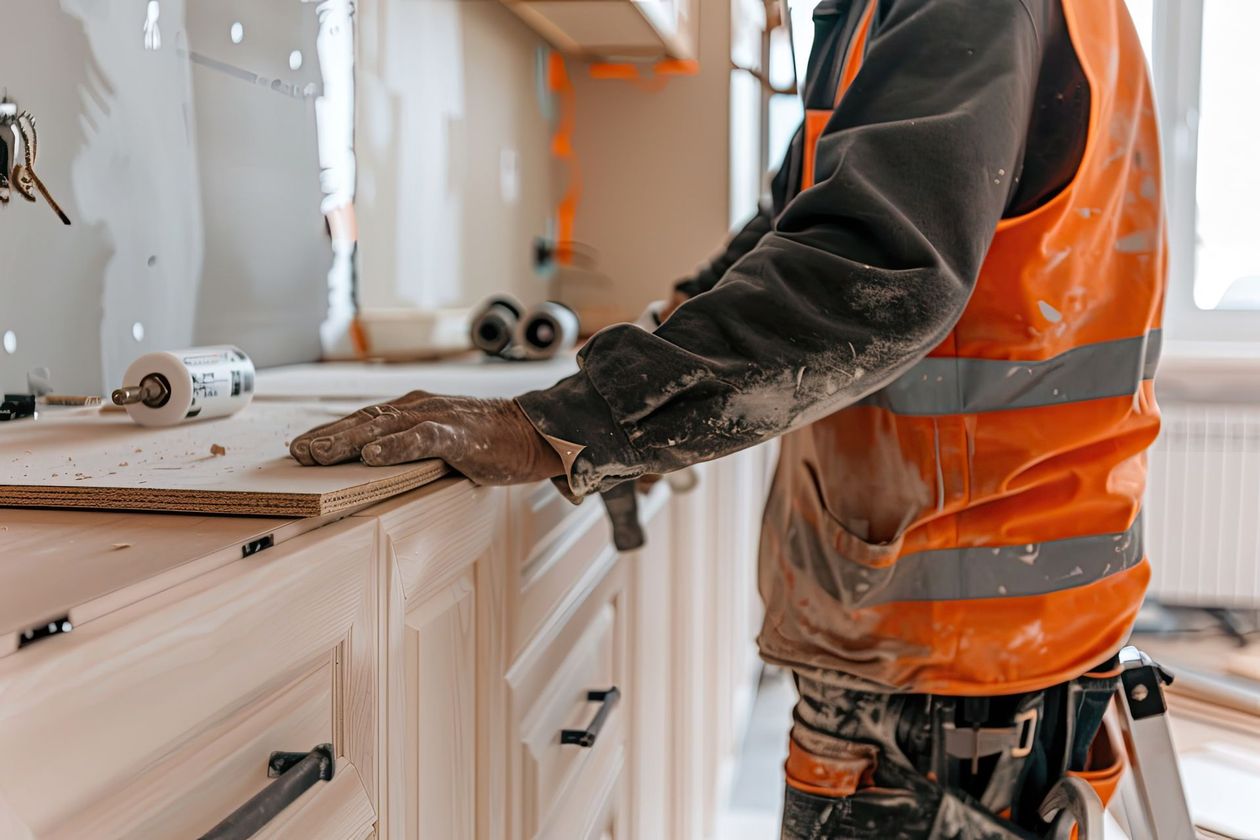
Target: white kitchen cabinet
<point x="440" y="641"/>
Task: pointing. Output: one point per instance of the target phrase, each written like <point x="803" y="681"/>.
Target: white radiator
<point x="1203" y="505"/>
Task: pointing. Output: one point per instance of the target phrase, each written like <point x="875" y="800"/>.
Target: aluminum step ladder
<point x="1151" y="799"/>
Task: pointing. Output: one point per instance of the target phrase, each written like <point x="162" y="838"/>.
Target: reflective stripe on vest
<point x="954" y="574"/>
<point x="953" y="385"/>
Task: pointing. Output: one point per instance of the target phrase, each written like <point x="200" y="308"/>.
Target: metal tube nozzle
<point x="152" y="391"/>
<point x="128" y="395"/>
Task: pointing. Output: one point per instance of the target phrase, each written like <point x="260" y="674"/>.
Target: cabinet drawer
<point x="158" y="720"/>
<point x="334" y="810"/>
<point x="595" y="808"/>
<point x="559" y="551"/>
<point x="554" y="692"/>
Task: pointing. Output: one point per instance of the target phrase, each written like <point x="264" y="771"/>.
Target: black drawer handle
<point x="586" y="737"/>
<point x="294" y="774"/>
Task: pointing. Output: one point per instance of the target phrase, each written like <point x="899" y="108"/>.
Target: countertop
<point x="81" y="564"/>
<point x="471" y="375"/>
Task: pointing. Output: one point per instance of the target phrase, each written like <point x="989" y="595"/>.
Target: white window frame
<point x="1177" y="55"/>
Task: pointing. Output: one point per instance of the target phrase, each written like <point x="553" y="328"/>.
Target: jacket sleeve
<point x="863" y="274"/>
<point x="708" y="275"/>
<point x="736" y="247"/>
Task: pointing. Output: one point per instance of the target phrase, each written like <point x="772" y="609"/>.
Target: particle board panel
<point x="102" y="460"/>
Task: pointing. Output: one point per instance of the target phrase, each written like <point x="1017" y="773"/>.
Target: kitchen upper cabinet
<point x="614" y="30"/>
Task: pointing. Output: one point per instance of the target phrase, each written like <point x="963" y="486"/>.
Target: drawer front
<point x="334" y="810"/>
<point x="596" y="808"/>
<point x="164" y="713"/>
<point x="553" y="693"/>
<point x="558" y="550"/>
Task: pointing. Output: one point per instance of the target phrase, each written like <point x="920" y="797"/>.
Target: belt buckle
<point x="1027" y="723"/>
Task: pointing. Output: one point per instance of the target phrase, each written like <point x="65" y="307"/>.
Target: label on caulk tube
<point x="217" y="373"/>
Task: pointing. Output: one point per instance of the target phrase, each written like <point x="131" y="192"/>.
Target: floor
<point x="752" y="813"/>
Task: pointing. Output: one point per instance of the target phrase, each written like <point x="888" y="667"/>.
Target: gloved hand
<point x="489" y="441"/>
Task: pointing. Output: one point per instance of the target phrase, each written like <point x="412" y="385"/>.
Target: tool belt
<point x="984" y="765"/>
<point x="1008" y="752"/>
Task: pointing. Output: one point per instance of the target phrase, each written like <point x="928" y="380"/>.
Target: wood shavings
<point x="216" y="449"/>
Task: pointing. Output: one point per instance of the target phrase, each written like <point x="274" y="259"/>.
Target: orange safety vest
<point x="974" y="528"/>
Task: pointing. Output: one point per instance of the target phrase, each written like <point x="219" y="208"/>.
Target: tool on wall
<point x="167" y="388"/>
<point x="18" y="132"/>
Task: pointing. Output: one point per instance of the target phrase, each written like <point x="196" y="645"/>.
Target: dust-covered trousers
<point x="884" y="766"/>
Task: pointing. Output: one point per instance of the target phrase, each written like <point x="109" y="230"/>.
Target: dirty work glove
<point x="489" y="441"/>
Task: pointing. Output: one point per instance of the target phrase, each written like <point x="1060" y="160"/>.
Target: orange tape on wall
<point x="561" y="85"/>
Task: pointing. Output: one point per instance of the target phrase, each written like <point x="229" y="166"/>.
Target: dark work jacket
<point x="829" y="293"/>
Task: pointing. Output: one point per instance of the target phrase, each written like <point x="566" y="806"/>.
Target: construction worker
<point x="950" y="311"/>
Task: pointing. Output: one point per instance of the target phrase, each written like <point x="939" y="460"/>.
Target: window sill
<point x="1210" y="371"/>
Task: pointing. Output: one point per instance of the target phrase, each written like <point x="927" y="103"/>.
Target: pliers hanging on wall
<point x="24" y="177"/>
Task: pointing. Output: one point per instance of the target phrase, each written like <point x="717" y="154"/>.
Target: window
<point x="1208" y="92"/>
<point x="1227" y="190"/>
<point x="1143" y="14"/>
<point x="786" y="112"/>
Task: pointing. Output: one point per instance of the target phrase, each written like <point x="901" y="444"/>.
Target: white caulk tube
<point x="163" y="389"/>
<point x="548" y="329"/>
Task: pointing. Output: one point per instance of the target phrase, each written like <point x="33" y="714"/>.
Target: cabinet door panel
<point x="86" y="718"/>
<point x="438" y="544"/>
<point x="654" y="734"/>
<point x="441" y="727"/>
